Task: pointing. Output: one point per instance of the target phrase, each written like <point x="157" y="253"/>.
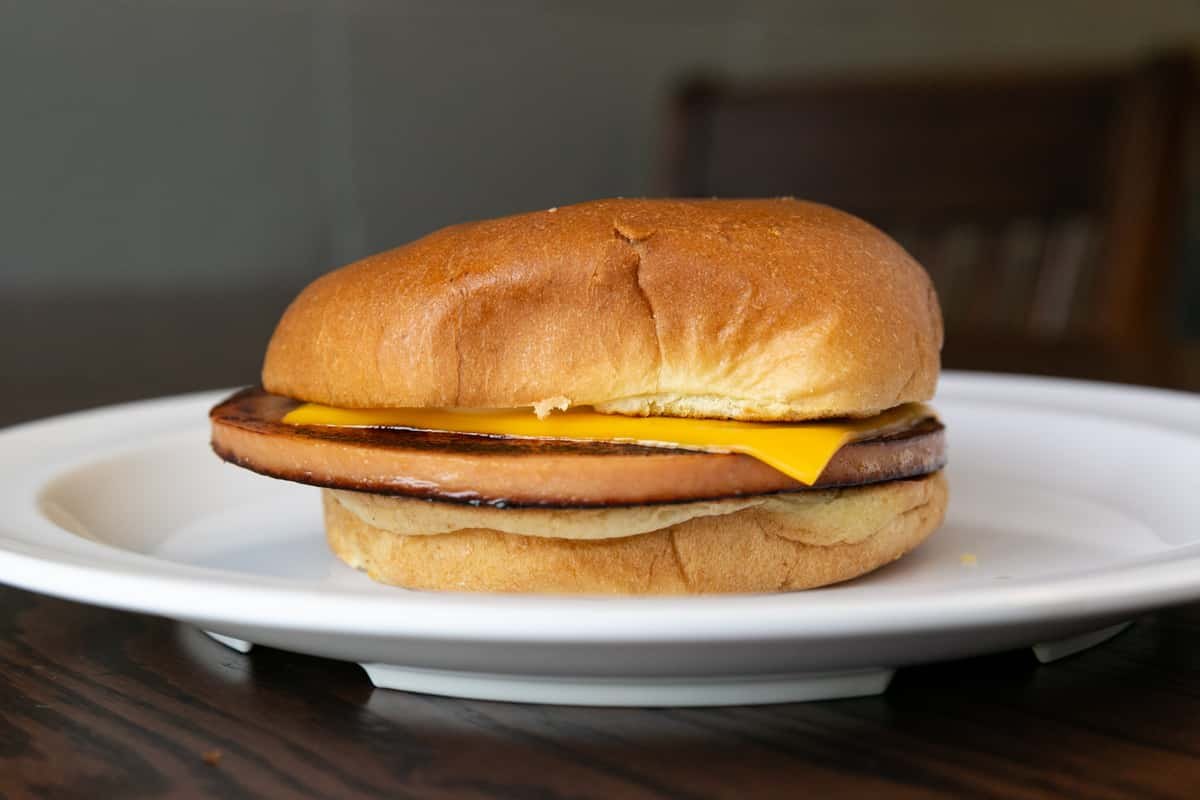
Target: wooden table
<point x="97" y="703"/>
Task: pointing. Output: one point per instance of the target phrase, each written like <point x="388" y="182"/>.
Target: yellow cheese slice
<point x="800" y="450"/>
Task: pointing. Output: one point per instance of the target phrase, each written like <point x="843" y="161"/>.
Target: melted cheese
<point x="800" y="450"/>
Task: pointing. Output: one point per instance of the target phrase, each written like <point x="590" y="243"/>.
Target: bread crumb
<point x="212" y="757"/>
<point x="969" y="559"/>
<point x="543" y="407"/>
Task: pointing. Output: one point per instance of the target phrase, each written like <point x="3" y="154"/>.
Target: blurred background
<point x="174" y="172"/>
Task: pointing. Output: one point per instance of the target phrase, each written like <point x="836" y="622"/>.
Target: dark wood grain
<point x="97" y="703"/>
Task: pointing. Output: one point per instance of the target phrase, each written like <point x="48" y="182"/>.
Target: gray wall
<point x="216" y="146"/>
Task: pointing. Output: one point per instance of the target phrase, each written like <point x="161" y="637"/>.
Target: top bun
<point x="741" y="309"/>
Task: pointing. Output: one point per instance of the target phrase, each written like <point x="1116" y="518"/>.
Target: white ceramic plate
<point x="1074" y="507"/>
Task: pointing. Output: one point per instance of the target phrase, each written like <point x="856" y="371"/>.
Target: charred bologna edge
<point x="909" y="453"/>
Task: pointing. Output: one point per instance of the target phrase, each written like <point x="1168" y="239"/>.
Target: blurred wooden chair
<point x="1046" y="207"/>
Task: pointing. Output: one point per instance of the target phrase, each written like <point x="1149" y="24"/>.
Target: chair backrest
<point x="1045" y="206"/>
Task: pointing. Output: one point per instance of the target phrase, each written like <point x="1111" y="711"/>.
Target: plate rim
<point x="122" y="579"/>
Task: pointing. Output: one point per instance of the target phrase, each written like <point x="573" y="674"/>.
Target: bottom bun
<point x="752" y="550"/>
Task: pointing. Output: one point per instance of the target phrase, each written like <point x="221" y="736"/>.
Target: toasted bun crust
<point x="763" y="548"/>
<point x="746" y="309"/>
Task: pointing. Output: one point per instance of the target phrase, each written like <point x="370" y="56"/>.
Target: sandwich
<point x="617" y="397"/>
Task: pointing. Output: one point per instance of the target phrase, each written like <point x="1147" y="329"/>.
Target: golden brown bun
<point x="756" y="549"/>
<point x="750" y="309"/>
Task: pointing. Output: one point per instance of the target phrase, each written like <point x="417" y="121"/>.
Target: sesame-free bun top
<point x="745" y="309"/>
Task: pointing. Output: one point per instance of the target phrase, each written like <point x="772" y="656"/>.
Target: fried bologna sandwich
<point x="622" y="396"/>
